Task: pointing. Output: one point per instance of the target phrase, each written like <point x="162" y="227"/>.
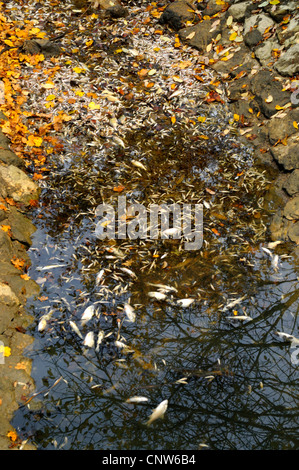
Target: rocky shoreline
<point x="253" y="47"/>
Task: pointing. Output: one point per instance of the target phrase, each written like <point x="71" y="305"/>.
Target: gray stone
<point x="260" y="22"/>
<point x="6" y="246"/>
<point x="288" y="62"/>
<point x="199" y="35"/>
<point x="287" y="155"/>
<point x="264" y="52"/>
<point x="253" y="37"/>
<point x="291" y="210"/>
<point x="176" y="14"/>
<point x="277" y="12"/>
<point x="7" y="295"/>
<point x="293" y="233"/>
<point x="292" y="183"/>
<point x="21" y="227"/>
<point x="291" y="29"/>
<point x="238" y="11"/>
<point x="280" y="128"/>
<point x="18" y="185"/>
<point x="213" y="7"/>
<point x="263" y="85"/>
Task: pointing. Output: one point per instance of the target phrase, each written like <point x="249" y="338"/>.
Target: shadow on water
<point x="230" y="383"/>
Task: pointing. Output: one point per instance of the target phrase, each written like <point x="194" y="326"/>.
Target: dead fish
<point x="288" y="337"/>
<point x="128" y="271"/>
<point x="75" y="328"/>
<point x="87" y="314"/>
<point x="233" y="303"/>
<point x="157" y="295"/>
<point x="44" y="321"/>
<point x="274" y="262"/>
<point x="100" y="338"/>
<point x="239" y="317"/>
<point x="136" y="399"/>
<point x="272" y="245"/>
<point x="185" y="302"/>
<point x="158" y="412"/>
<point x="99" y="276"/>
<point x="89" y="340"/>
<point x="130" y="312"/>
<point x="138" y="164"/>
<point x="163" y="288"/>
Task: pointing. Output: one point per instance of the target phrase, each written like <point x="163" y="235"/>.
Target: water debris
<point x="89" y="340"/>
<point x="51" y="266"/>
<point x="129" y="271"/>
<point x="87" y="314"/>
<point x="136" y="399"/>
<point x="43" y="322"/>
<point x="100" y="338"/>
<point x="158" y="412"/>
<point x="157" y="295"/>
<point x="163" y="288"/>
<point x="130" y="312"/>
<point x="75" y="328"/>
<point x="185" y="302"/>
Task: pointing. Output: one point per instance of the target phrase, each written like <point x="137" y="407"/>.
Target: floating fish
<point x="239" y="317"/>
<point x="138" y="164"/>
<point x="130" y="312"/>
<point x="75" y="328"/>
<point x="158" y="412"/>
<point x="157" y="295"/>
<point x="233" y="303"/>
<point x="164" y="288"/>
<point x="99" y="276"/>
<point x="44" y="321"/>
<point x="136" y="399"/>
<point x="87" y="314"/>
<point x="89" y="340"/>
<point x="128" y="271"/>
<point x="100" y="338"/>
<point x="288" y="337"/>
<point x="185" y="302"/>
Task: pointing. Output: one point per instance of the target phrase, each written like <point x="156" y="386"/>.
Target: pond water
<point x="230" y="383"/>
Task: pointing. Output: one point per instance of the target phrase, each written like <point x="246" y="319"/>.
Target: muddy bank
<point x="17" y="191"/>
<point x="254" y="48"/>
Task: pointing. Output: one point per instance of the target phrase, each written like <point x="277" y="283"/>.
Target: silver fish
<point x="185" y="302"/>
<point x="157" y="295"/>
<point x="89" y="340"/>
<point x="75" y="328"/>
<point x="44" y="321"/>
<point x="130" y="312"/>
<point x="87" y="314"/>
<point x="136" y="399"/>
<point x="158" y="412"/>
<point x="100" y="338"/>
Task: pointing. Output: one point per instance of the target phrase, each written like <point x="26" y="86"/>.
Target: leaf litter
<point x="131" y="113"/>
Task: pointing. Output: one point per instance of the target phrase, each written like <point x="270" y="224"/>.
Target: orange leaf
<point x="5" y="228"/>
<point x="119" y="188"/>
<point x="12" y="435"/>
<point x="215" y="231"/>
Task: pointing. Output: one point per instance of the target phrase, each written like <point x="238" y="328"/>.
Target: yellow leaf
<point x="173" y="119"/>
<point x="34" y="141"/>
<point x="89" y="43"/>
<point x="48" y="85"/>
<point x="12" y="435"/>
<point x="50" y="97"/>
<point x="295" y="124"/>
<point x="93" y="105"/>
<point x="25" y="277"/>
<point x="233" y="36"/>
<point x="5" y="228"/>
<point x="5" y="350"/>
<point x="78" y="69"/>
<point x="236" y="117"/>
<point x="34" y="31"/>
<point x="201" y="118"/>
<point x="79" y="93"/>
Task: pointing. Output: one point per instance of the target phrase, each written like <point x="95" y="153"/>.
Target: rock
<point x="238" y="11"/>
<point x="242" y="60"/>
<point x="291" y="29"/>
<point x="7" y="295"/>
<point x="41" y="46"/>
<point x="287" y="155"/>
<point x="268" y="92"/>
<point x="111" y="8"/>
<point x="292" y="183"/>
<point x="21" y="288"/>
<point x="279" y="11"/>
<point x="6" y="247"/>
<point x="288" y="63"/>
<point x="259" y="22"/>
<point x="252" y="38"/>
<point x="18" y="185"/>
<point x="280" y="128"/>
<point x="199" y="35"/>
<point x="6" y="155"/>
<point x="213" y="7"/>
<point x="21" y="227"/>
<point x="293" y="233"/>
<point x="176" y="14"/>
<point x="279" y="227"/>
<point x="291" y="210"/>
<point x="264" y="52"/>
